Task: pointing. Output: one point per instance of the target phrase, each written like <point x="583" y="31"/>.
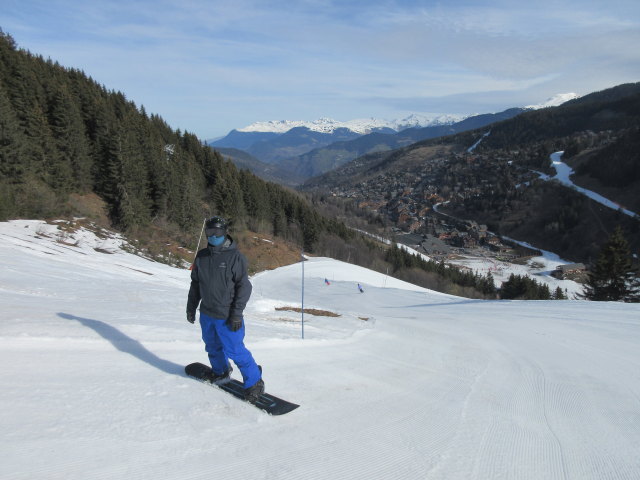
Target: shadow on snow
<point x="127" y="344"/>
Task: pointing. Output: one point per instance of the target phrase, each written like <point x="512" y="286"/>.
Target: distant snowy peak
<point x="362" y="126"/>
<point x="324" y="125"/>
<point x="419" y="121"/>
<point x="555" y="101"/>
<point x="368" y="125"/>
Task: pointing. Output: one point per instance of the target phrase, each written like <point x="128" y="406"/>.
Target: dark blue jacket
<point x="219" y="281"/>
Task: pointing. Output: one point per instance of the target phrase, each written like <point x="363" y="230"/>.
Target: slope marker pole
<point x="198" y="245"/>
<point x="302" y="309"/>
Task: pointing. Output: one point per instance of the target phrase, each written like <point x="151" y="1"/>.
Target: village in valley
<point x="411" y="203"/>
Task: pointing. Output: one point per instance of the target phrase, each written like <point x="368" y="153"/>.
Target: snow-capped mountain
<point x="277" y="141"/>
<point x="367" y="125"/>
<point x="361" y="126"/>
<point x="555" y="101"/>
<point x="416" y="120"/>
<point x="292" y="146"/>
<point x="364" y="126"/>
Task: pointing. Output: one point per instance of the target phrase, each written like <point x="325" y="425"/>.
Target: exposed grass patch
<point x="310" y="311"/>
<point x="265" y="252"/>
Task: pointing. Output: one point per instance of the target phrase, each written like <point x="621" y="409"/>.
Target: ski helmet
<point x="216" y="226"/>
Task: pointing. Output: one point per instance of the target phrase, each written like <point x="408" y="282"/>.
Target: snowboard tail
<point x="268" y="403"/>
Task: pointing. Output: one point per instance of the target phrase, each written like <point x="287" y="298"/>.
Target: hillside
<point x="406" y="383"/>
<point x="66" y="139"/>
<point x="612" y="169"/>
<point x="613" y="109"/>
<point x="492" y="177"/>
<point x="295" y="142"/>
<point x="321" y="160"/>
<point x="269" y="172"/>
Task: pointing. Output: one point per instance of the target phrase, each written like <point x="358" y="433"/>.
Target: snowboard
<point x="268" y="403"/>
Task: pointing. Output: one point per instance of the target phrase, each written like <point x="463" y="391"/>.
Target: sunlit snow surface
<point x="428" y="386"/>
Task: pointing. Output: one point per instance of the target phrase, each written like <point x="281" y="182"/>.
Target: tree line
<point x="61" y="133"/>
<point x="522" y="287"/>
<point x="418" y="270"/>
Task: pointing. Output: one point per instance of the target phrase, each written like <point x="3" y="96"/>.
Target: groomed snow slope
<point x="429" y="386"/>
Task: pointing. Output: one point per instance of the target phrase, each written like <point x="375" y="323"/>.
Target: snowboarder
<point x="220" y="284"/>
<point x="326" y="281"/>
<point x="360" y="288"/>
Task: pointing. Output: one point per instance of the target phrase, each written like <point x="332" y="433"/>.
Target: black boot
<point x="252" y="394"/>
<point x="220" y="379"/>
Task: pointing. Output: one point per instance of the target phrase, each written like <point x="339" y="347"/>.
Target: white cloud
<point x="226" y="61"/>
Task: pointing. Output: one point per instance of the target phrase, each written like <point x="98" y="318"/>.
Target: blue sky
<point x="208" y="66"/>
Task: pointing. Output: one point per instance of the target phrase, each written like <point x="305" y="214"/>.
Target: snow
<point x="361" y="125"/>
<point x="555" y="101"/>
<point x="428" y="386"/>
<point x="475" y="145"/>
<point x="563" y="174"/>
<point x="539" y="268"/>
<point x="367" y="125"/>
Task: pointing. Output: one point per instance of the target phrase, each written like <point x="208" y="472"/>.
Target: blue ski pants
<point x="223" y="345"/>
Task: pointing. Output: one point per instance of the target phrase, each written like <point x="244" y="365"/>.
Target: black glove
<point x="191" y="317"/>
<point x="234" y="322"/>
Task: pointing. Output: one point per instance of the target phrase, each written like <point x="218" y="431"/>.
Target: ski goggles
<point x="215" y="231"/>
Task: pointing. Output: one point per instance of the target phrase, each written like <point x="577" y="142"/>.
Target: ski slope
<point x="405" y="384"/>
<point x="563" y="175"/>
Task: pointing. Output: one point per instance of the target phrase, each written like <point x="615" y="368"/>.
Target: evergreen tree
<point x="40" y="146"/>
<point x="71" y="166"/>
<point x="488" y="286"/>
<point x="613" y="277"/>
<point x="559" y="294"/>
<point x="227" y="193"/>
<point x="521" y="287"/>
<point x="11" y="141"/>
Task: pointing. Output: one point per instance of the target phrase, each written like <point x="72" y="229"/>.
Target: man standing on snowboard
<point x="220" y="284"/>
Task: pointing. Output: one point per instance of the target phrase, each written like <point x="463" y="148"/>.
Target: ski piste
<point x="267" y="402"/>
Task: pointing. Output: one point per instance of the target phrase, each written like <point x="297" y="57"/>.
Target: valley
<point x="496" y="179"/>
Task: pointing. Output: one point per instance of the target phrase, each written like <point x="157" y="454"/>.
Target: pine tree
<point x="559" y="294"/>
<point x="488" y="286"/>
<point x="521" y="287"/>
<point x="39" y="147"/>
<point x="72" y="166"/>
<point x="227" y="193"/>
<point x="613" y="277"/>
<point x="11" y="141"/>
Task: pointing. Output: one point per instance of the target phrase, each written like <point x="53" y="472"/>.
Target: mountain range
<point x="292" y="151"/>
<point x="361" y="126"/>
<point x="369" y="125"/>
